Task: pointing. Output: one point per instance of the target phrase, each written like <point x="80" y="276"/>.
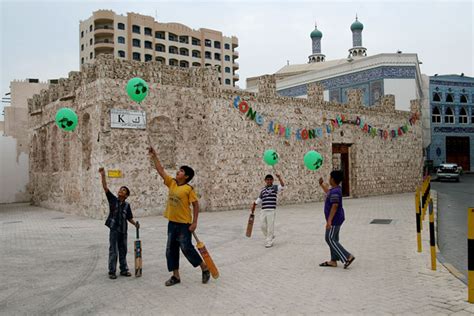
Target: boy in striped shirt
<point x="268" y="199"/>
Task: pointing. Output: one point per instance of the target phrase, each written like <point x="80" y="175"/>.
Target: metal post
<point x="432" y="237"/>
<point x="418" y="218"/>
<point x="470" y="255"/>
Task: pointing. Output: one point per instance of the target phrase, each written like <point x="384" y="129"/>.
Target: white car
<point x="448" y="171"/>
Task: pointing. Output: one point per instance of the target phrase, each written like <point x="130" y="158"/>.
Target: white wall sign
<point x="127" y="119"/>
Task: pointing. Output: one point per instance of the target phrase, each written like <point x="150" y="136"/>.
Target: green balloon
<point x="313" y="160"/>
<point x="137" y="89"/>
<point x="270" y="157"/>
<point x="66" y="119"/>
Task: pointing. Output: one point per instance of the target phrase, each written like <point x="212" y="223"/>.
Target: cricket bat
<point x="250" y="225"/>
<point x="138" y="254"/>
<point x="206" y="257"/>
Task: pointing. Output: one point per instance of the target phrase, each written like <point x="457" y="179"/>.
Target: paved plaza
<point x="56" y="263"/>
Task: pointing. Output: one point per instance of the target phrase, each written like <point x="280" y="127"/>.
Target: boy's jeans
<point x="267" y="219"/>
<point x="118" y="247"/>
<point x="337" y="251"/>
<point x="179" y="236"/>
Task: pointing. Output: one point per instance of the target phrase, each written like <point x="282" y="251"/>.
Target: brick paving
<point x="56" y="263"/>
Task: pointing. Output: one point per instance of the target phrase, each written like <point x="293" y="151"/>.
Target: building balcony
<point x="104" y="29"/>
<point x="235" y="53"/>
<point x="235" y="65"/>
<point x="235" y="77"/>
<point x="103" y="43"/>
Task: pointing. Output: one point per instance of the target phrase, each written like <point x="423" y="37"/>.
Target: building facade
<point x="141" y="38"/>
<point x="14" y="141"/>
<point x="452" y="120"/>
<point x="396" y="74"/>
<point x="221" y="132"/>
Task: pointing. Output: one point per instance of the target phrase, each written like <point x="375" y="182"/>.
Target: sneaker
<point x="125" y="273"/>
<point x="205" y="276"/>
<point x="112" y="276"/>
<point x="269" y="244"/>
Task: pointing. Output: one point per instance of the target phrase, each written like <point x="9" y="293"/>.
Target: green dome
<point x="357" y="25"/>
<point x="316" y="33"/>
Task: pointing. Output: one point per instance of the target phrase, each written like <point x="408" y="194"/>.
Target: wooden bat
<point x="138" y="254"/>
<point x="206" y="257"/>
<point x="250" y="225"/>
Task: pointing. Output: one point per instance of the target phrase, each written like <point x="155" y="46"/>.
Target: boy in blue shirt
<point x="334" y="213"/>
<point x="119" y="213"/>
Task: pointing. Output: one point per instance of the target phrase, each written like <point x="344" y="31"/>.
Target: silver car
<point x="448" y="171"/>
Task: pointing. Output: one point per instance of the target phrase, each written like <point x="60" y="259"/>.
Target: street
<point x="453" y="200"/>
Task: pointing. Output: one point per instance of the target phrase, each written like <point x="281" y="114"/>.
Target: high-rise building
<point x="139" y="37"/>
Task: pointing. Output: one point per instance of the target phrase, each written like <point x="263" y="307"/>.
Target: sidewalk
<point x="55" y="263"/>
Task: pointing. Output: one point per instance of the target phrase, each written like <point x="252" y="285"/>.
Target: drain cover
<point x="381" y="221"/>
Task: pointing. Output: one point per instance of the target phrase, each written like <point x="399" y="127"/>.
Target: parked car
<point x="448" y="171"/>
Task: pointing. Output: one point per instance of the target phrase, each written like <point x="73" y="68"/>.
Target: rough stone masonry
<point x="221" y="132"/>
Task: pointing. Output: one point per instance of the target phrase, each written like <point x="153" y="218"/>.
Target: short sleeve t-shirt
<point x="119" y="213"/>
<point x="334" y="196"/>
<point x="268" y="197"/>
<point x="179" y="199"/>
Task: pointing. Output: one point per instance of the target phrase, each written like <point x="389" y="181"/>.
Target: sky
<point x="40" y="39"/>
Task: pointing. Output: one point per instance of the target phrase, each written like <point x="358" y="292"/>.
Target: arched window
<point x="436" y="97"/>
<point x="173" y="62"/>
<point x="196" y="54"/>
<point x="196" y="65"/>
<point x="136" y="42"/>
<point x="121" y="53"/>
<point x="227" y="58"/>
<point x="184" y="64"/>
<point x="184" y="51"/>
<point x="463" y="116"/>
<point x="227" y="81"/>
<point x="449" y="116"/>
<point x="463" y="98"/>
<point x="173" y="50"/>
<point x="163" y="136"/>
<point x="121" y="26"/>
<point x="136" y="56"/>
<point x="160" y="48"/>
<point x="66" y="154"/>
<point x="227" y="69"/>
<point x="160" y="60"/>
<point x="449" y="97"/>
<point x="148" y="57"/>
<point x="121" y="40"/>
<point x="86" y="141"/>
<point x="436" y="115"/>
<point x="148" y="45"/>
<point x="34" y="162"/>
<point x="54" y="149"/>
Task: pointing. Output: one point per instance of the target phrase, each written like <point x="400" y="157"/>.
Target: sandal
<point x="348" y="263"/>
<point x="172" y="281"/>
<point x="205" y="276"/>
<point x="327" y="264"/>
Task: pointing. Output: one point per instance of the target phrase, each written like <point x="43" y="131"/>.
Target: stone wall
<point x="193" y="120"/>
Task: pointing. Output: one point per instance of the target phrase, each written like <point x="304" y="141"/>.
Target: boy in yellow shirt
<point x="181" y="223"/>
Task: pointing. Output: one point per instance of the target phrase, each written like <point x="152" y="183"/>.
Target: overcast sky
<point x="40" y="39"/>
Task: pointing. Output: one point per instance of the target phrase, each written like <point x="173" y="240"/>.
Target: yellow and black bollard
<point x="432" y="236"/>
<point x="418" y="218"/>
<point x="470" y="255"/>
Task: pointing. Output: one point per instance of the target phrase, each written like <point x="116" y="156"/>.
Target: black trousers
<point x="179" y="237"/>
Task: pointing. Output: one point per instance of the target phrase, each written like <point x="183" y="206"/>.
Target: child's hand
<point x="102" y="171"/>
<point x="192" y="227"/>
<point x="137" y="225"/>
<point x="321" y="181"/>
<point x="151" y="151"/>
